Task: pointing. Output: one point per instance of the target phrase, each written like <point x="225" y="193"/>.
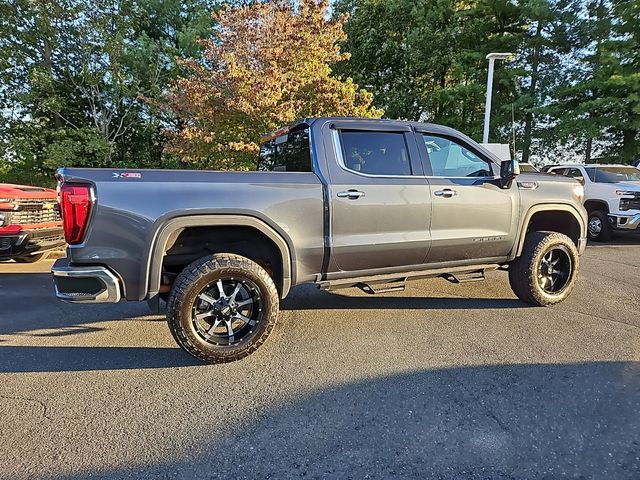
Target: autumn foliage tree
<point x="268" y="65"/>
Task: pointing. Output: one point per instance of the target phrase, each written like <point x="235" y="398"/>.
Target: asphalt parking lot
<point x="439" y="381"/>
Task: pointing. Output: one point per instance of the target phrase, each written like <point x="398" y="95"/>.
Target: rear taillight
<point x="76" y="202"/>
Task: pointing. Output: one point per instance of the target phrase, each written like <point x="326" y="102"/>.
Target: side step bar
<point x="396" y="282"/>
<point x="394" y="286"/>
<point x="477" y="276"/>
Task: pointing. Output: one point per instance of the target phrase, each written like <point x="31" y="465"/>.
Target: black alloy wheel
<point x="555" y="269"/>
<point x="226" y="312"/>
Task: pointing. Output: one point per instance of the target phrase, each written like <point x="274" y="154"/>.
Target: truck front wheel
<point x="546" y="271"/>
<point x="599" y="229"/>
<point x="222" y="307"/>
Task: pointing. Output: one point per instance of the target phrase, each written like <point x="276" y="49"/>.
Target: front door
<point x="472" y="216"/>
<point x="380" y="203"/>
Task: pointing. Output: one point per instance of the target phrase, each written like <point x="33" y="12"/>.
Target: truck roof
<point x="374" y="121"/>
<point x="362" y="123"/>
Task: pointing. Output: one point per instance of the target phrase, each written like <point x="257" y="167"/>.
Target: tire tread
<point x="522" y="270"/>
<point x="194" y="272"/>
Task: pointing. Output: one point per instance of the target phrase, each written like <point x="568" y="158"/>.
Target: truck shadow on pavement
<point x="619" y="239"/>
<point x="30" y="310"/>
<point x="308" y="297"/>
<point x="496" y="421"/>
<point x="28" y="302"/>
<point x="77" y="359"/>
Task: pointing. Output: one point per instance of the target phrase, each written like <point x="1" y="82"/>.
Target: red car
<point x="30" y="223"/>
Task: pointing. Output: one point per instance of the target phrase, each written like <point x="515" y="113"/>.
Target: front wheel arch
<point x="561" y="218"/>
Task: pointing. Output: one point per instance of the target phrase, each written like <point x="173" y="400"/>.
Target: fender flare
<point x="171" y="228"/>
<point x="598" y="201"/>
<point x="548" y="207"/>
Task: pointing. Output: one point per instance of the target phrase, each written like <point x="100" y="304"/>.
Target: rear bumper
<point x="625" y="222"/>
<point x="30" y="242"/>
<point x="85" y="284"/>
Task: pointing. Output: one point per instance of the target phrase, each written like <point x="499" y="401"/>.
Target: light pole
<point x="492" y="57"/>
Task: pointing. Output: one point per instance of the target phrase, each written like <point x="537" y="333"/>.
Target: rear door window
<point x="375" y="153"/>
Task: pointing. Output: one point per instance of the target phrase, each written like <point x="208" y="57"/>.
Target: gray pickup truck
<point x="338" y="202"/>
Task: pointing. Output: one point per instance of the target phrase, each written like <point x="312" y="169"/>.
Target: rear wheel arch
<point x="269" y="245"/>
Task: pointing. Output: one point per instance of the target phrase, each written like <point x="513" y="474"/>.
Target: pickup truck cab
<point x="337" y="202"/>
<point x="30" y="224"/>
<point x="612" y="196"/>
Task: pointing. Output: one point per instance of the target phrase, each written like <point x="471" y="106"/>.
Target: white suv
<point x="611" y="196"/>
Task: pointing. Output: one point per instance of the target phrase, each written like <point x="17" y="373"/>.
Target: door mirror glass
<point x="509" y="170"/>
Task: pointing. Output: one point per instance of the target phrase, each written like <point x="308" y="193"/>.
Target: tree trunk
<point x="629" y="146"/>
<point x="47" y="63"/>
<point x="587" y="152"/>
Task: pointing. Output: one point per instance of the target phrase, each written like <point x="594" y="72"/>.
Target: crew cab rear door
<point x="379" y="199"/>
<point x="472" y="217"/>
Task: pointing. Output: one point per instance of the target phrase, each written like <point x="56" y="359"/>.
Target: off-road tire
<point x="524" y="270"/>
<point x="187" y="286"/>
<point x="606" y="232"/>
<point x="30" y="258"/>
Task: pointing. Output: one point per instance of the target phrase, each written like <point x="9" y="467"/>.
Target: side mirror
<point x="509" y="170"/>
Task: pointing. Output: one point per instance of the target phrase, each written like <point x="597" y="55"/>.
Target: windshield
<point x="527" y="168"/>
<point x="613" y="174"/>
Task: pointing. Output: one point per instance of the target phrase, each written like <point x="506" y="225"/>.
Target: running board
<point x="401" y="285"/>
<point x="477" y="276"/>
<point x="462" y="274"/>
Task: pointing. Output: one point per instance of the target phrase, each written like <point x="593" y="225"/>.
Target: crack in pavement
<point x="43" y="405"/>
<point x="601" y="318"/>
<point x="614" y="261"/>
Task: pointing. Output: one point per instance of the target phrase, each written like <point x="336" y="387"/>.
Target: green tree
<point x="268" y="65"/>
<point x="598" y="104"/>
<point x="77" y="78"/>
<point x="425" y="59"/>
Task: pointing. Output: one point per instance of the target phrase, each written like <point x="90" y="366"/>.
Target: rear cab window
<point x="286" y="152"/>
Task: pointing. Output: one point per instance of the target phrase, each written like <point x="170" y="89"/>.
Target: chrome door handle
<point x="351" y="194"/>
<point x="446" y="193"/>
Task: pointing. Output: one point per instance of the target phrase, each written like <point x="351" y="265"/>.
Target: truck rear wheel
<point x="546" y="271"/>
<point x="222" y="307"/>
